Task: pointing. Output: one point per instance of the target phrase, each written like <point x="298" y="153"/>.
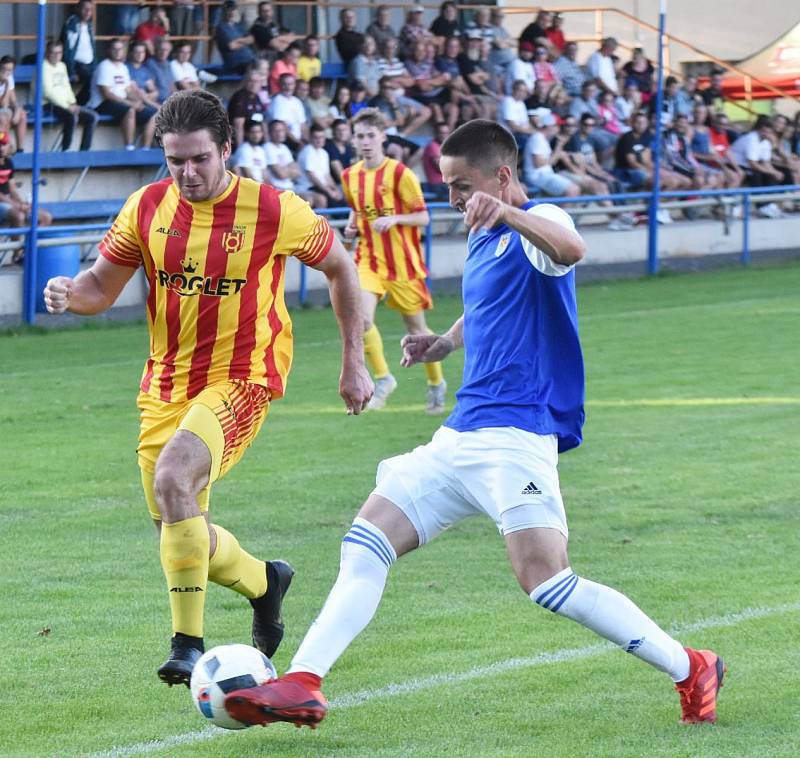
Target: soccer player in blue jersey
<point x="519" y="406"/>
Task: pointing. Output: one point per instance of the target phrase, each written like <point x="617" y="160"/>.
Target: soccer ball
<point x="223" y="669"/>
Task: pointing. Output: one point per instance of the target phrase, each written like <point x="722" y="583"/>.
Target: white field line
<point x="478" y="672"/>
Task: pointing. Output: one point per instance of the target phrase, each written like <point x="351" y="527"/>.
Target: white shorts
<point x="507" y="473"/>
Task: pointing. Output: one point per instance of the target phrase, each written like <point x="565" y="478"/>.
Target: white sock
<point x="613" y="616"/>
<point x="366" y="558"/>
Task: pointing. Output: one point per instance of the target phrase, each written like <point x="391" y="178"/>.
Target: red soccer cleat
<point x="295" y="698"/>
<point x="699" y="690"/>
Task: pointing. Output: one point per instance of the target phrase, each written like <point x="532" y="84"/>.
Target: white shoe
<point x="770" y="211"/>
<point x="620" y="225"/>
<point x="436" y="393"/>
<point x="207" y="77"/>
<point x="383" y="388"/>
<point x="663" y="216"/>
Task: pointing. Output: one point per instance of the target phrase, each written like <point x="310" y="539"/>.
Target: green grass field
<point x="684" y="496"/>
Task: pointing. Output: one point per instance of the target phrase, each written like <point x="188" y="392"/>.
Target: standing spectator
<point x="183" y="70"/>
<point x="319" y="104"/>
<point x="686" y="97"/>
<point x="232" y="41"/>
<point x="15" y="114"/>
<point x="289" y="109"/>
<point x="14" y="209"/>
<point x="269" y="38"/>
<point x="342" y="106"/>
<point x="783" y="157"/>
<point x="161" y="69"/>
<point x="309" y="64"/>
<point x="640" y="72"/>
<point x="286" y="64"/>
<point x="245" y="105"/>
<point x="445" y="24"/>
<point x="502" y="52"/>
<point x="430" y="162"/>
<point x="514" y="113"/>
<point x="316" y="179"/>
<point x="430" y="84"/>
<point x="113" y="95"/>
<point x="380" y="29"/>
<point x="79" y="49"/>
<point x="569" y="71"/>
<point x="182" y="23"/>
<point x="601" y="66"/>
<point x="538" y="159"/>
<point x="250" y="159"/>
<point x="58" y="94"/>
<point x="712" y="95"/>
<point x="536" y="32"/>
<point x="364" y="68"/>
<point x="521" y="68"/>
<point x="412" y="31"/>
<point x="544" y="70"/>
<point x="142" y="76"/>
<point x="156" y="27"/>
<point x="348" y="39"/>
<point x="340" y="149"/>
<point x="555" y="33"/>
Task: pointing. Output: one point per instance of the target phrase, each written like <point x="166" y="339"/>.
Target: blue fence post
<point x="745" y="259"/>
<point x="303" y="285"/>
<point x="429" y="249"/>
<point x="29" y="270"/>
<point x="652" y="230"/>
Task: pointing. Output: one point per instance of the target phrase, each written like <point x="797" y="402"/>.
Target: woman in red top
<point x="555" y="34"/>
<point x="286" y="64"/>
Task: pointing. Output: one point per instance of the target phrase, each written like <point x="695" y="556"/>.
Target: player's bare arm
<point x="355" y="385"/>
<point x="92" y="291"/>
<point x="428" y="348"/>
<point x="384" y="223"/>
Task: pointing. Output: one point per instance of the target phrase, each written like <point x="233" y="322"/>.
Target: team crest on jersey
<point x="502" y="245"/>
<point x="233" y="241"/>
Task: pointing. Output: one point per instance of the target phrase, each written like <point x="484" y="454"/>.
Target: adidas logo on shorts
<point x="531" y="489"/>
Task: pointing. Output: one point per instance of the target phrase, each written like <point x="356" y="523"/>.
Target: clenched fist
<point x="57" y="294"/>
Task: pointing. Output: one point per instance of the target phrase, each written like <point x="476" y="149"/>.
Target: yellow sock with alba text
<point x="232" y="567"/>
<point x="434" y="373"/>
<point x="373" y="352"/>
<point x="184" y="558"/>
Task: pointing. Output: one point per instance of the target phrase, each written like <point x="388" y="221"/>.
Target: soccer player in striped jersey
<point x="388" y="211"/>
<point x="214" y="248"/>
<point x="519" y="406"/>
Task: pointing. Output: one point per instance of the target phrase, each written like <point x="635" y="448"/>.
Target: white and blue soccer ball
<point x="222" y="670"/>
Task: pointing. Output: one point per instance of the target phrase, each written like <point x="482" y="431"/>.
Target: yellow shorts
<point x="226" y="416"/>
<point x="408" y="297"/>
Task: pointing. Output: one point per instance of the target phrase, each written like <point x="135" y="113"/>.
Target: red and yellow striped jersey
<point x="387" y="190"/>
<point x="216" y="307"/>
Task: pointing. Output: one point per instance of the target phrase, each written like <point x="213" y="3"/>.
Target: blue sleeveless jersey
<point x="523" y="364"/>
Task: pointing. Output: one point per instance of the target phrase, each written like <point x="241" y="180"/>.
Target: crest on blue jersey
<point x="502" y="245"/>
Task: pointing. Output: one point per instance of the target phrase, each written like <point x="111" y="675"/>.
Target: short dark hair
<point x="8" y="59"/>
<point x="485" y="144"/>
<point x="250" y="123"/>
<point x="339" y="122"/>
<point x="315" y="80"/>
<point x="670" y="80"/>
<point x="316" y="128"/>
<point x="51" y="43"/>
<point x="191" y="110"/>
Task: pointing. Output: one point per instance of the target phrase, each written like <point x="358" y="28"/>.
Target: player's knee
<point x="175" y="492"/>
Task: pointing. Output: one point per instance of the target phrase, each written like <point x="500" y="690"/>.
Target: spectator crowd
<point x="582" y="127"/>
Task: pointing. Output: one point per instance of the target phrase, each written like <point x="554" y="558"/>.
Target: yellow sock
<point x="232" y="567"/>
<point x="184" y="558"/>
<point x="373" y="352"/>
<point x="434" y="372"/>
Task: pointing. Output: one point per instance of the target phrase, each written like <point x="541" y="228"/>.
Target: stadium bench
<point x="48" y="118"/>
<point x="333" y="71"/>
<point x="23" y="74"/>
<point x="81" y="159"/>
<point x="76" y="210"/>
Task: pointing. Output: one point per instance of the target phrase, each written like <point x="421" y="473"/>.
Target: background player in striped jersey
<point x="214" y="248"/>
<point x="388" y="211"/>
<point x="520" y="405"/>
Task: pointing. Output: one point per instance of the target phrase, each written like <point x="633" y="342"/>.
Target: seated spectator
<point x="555" y="33"/>
<point x="669" y="104"/>
<point x="571" y="166"/>
<point x="309" y="64"/>
<point x="514" y="113"/>
<point x="60" y="99"/>
<point x="358" y="97"/>
<point x="341" y="107"/>
<point x="250" y="159"/>
<point x="544" y="70"/>
<point x="678" y="159"/>
<point x="535" y="33"/>
<point x="115" y="95"/>
<point x="608" y="116"/>
<point x="161" y="69"/>
<point x="261" y="65"/>
<point x="569" y="71"/>
<point x="446" y="24"/>
<point x="283" y="171"/>
<point x="640" y="72"/>
<point x="270" y="39"/>
<point x="301" y="92"/>
<point x="392" y="68"/>
<point x="686" y="97"/>
<point x="233" y="42"/>
<point x="364" y="68"/>
<point x="478" y="75"/>
<point x="712" y="95"/>
<point x="340" y="149"/>
<point x="142" y="75"/>
<point x="154" y="28"/>
<point x="481" y="23"/>
<point x="14" y="209"/>
<point x="400" y="120"/>
<point x="558" y="101"/>
<point x="412" y="31"/>
<point x="628" y="103"/>
<point x="245" y="105"/>
<point x="753" y="153"/>
<point x="318" y="104"/>
<point x="429" y="84"/>
<point x="580" y="147"/>
<point x="348" y="39"/>
<point x="502" y="50"/>
<point x="316" y="179"/>
<point x="537" y="98"/>
<point x="633" y="163"/>
<point x="467" y="105"/>
<point x="538" y="159"/>
<point x="717" y="155"/>
<point x="184" y="73"/>
<point x="521" y="68"/>
<point x="77" y="37"/>
<point x="430" y="163"/>
<point x="15" y="114"/>
<point x="783" y="157"/>
<point x="380" y="29"/>
<point x="286" y="64"/>
<point x="288" y="109"/>
<point x="601" y="66"/>
<point x="587" y="103"/>
<point x="182" y="19"/>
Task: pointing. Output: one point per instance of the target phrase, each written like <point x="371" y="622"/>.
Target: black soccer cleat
<point x="186" y="651"/>
<point x="267" y="621"/>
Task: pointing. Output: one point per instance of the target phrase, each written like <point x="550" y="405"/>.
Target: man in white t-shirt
<point x="514" y="112"/>
<point x="753" y="152"/>
<point x="183" y="71"/>
<point x="315" y="163"/>
<point x="601" y="66"/>
<point x="113" y="94"/>
<point x="250" y="160"/>
<point x="521" y="68"/>
<point x="282" y="170"/>
<point x="290" y="109"/>
<point x="538" y="159"/>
